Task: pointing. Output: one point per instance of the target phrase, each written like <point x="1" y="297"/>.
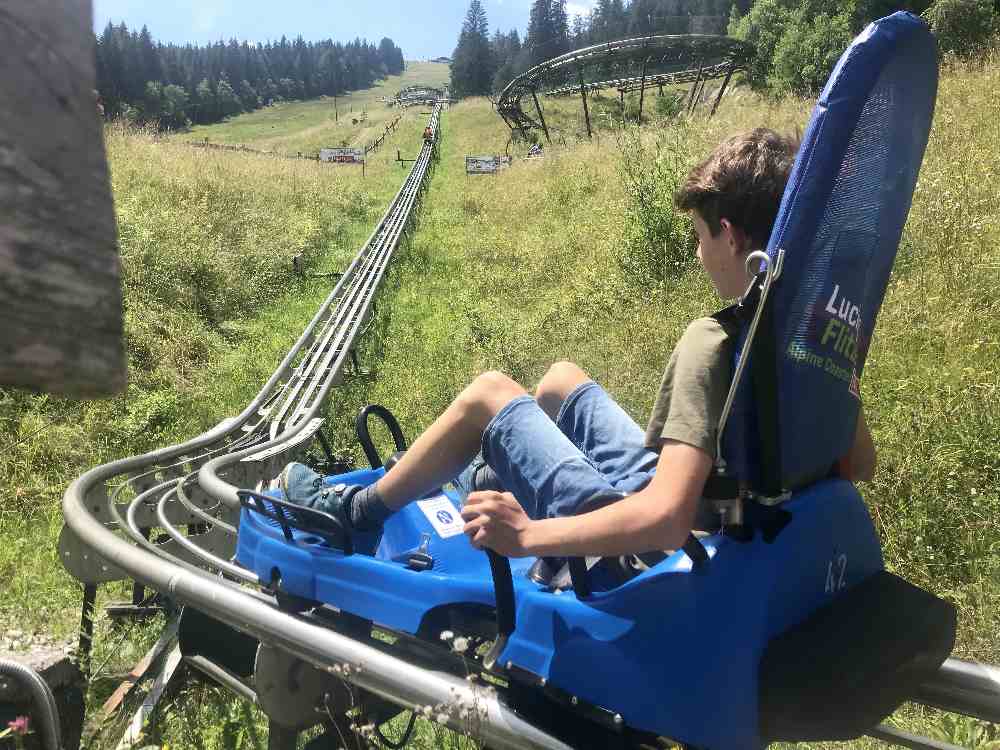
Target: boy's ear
<point x="736" y="238"/>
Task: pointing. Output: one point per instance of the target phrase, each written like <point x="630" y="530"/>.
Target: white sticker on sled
<point x="443" y="515"/>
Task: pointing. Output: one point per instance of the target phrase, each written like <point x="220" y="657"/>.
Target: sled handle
<point x="365" y="438"/>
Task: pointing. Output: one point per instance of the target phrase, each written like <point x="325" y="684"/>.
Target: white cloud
<point x="579" y="9"/>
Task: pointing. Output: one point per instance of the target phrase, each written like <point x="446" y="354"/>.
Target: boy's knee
<point x="559" y="381"/>
<point x="488" y="394"/>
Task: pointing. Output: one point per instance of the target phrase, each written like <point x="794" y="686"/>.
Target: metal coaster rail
<point x="626" y="65"/>
<point x="110" y="509"/>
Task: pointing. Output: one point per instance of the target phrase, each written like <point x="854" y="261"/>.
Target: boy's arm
<point x="658" y="517"/>
<point x="859" y="463"/>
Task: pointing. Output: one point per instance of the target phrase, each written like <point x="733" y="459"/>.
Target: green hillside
<point x="291" y="127"/>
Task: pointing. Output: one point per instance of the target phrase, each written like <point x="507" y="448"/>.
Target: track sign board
<point x="485" y="164"/>
<point x="342" y="155"/>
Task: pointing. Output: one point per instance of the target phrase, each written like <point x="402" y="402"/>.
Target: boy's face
<point x="723" y="256"/>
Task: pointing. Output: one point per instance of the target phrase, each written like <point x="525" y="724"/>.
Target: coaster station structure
<point x="626" y="65"/>
<point x="419" y="94"/>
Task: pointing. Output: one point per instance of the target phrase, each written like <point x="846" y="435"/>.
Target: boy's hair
<point x="742" y="180"/>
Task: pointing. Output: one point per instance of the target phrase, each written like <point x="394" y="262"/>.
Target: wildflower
<point x="460" y="645"/>
<point x="19" y="725"/>
<point x="427" y="711"/>
<point x="442" y="718"/>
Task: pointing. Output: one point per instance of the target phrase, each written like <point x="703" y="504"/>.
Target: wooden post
<point x="541" y="117"/>
<point x="60" y="283"/>
<point x="583" y="94"/>
<point x="694" y="88"/>
<point x="725" y="82"/>
<point x="642" y="91"/>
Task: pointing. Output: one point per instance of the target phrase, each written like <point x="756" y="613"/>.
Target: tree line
<point x="797" y="42"/>
<point x="176" y="85"/>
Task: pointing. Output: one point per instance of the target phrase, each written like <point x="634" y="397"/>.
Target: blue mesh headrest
<point x="839" y="226"/>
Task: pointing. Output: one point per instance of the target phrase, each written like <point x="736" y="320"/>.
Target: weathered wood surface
<point x="60" y="287"/>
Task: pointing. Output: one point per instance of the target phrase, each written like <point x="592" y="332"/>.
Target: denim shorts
<point x="552" y="467"/>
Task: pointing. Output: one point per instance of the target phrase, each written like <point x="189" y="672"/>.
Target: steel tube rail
<point x="199" y="512"/>
<point x="213" y="671"/>
<point x="42" y="700"/>
<point x="224" y="565"/>
<point x="964" y="687"/>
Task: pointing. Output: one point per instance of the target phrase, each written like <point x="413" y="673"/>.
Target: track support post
<point x="541" y="117"/>
<point x="586" y="110"/>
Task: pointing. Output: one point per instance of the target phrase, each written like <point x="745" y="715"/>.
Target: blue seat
<point x="676" y="651"/>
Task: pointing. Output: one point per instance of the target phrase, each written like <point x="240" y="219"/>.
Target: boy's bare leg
<point x="558" y="382"/>
<point x="450" y="443"/>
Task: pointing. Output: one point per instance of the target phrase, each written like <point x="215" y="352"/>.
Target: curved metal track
<point x="110" y="509"/>
<point x="625" y="65"/>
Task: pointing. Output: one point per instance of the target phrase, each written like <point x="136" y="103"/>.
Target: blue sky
<point x="423" y="28"/>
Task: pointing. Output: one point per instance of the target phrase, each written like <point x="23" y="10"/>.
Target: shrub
<point x="807" y="51"/>
<point x="961" y="26"/>
<point x="763" y="27"/>
<point x="669" y="104"/>
<point x="658" y="241"/>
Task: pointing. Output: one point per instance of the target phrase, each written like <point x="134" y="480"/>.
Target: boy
<point x="570" y="441"/>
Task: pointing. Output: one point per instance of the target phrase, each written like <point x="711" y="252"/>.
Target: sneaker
<point x="303" y="486"/>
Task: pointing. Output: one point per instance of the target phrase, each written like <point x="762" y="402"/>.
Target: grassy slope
<point x="306" y="127"/>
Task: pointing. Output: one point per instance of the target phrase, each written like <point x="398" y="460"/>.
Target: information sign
<point x="343" y="155"/>
<point x="485" y="164"/>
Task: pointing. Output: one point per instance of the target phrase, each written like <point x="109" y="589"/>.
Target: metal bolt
<point x="574" y="700"/>
<point x="339" y="488"/>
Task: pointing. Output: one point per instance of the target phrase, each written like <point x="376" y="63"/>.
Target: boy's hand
<point x="496" y="520"/>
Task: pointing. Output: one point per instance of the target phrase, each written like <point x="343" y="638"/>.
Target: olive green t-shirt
<point x="694" y="388"/>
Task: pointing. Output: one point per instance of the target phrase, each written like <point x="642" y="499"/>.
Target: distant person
<point x="526" y="462"/>
<point x="428" y="133"/>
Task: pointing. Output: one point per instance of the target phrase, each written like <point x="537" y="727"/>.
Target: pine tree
<point x="472" y="64"/>
<point x="560" y="27"/>
<point x="541" y="38"/>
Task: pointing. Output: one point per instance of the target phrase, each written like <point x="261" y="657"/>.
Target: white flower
<point x="460" y="645"/>
<point x="447" y="635"/>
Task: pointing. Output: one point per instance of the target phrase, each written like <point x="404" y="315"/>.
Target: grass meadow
<point x="514" y="271"/>
<point x="306" y="127"/>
